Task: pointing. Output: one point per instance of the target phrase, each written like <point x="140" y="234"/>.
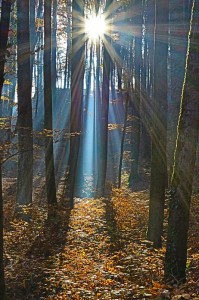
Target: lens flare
<point x="95" y="27"/>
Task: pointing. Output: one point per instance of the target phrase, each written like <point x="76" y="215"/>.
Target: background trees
<point x="4" y="28"/>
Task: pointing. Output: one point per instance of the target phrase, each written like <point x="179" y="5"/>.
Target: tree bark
<point x="123" y="138"/>
<point x="178" y="39"/>
<point x="25" y="139"/>
<point x="32" y="34"/>
<point x="135" y="102"/>
<point x="77" y="77"/>
<point x="48" y="122"/>
<point x="104" y="114"/>
<point x="184" y="160"/>
<point x="159" y="126"/>
<point x="146" y="139"/>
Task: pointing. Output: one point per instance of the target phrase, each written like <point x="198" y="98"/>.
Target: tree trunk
<point x="104" y="124"/>
<point x="178" y="32"/>
<point x="49" y="157"/>
<point x="25" y="139"/>
<point x="104" y="114"/>
<point x="184" y="161"/>
<point x="135" y="102"/>
<point x="159" y="126"/>
<point x="146" y="139"/>
<point x="123" y="138"/>
<point x="4" y="28"/>
<point x="39" y="105"/>
<point x="77" y="77"/>
<point x="32" y="34"/>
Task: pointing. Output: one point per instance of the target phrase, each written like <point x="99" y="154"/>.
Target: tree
<point x="145" y="82"/>
<point x="4" y="29"/>
<point x="48" y="122"/>
<point x="25" y="139"/>
<point x="159" y="126"/>
<point x="104" y="112"/>
<point x="123" y="138"/>
<point x="54" y="49"/>
<point x="135" y="102"/>
<point x="68" y="47"/>
<point x="38" y="66"/>
<point x="179" y="27"/>
<point x="184" y="160"/>
<point x="32" y="34"/>
<point x="77" y="77"/>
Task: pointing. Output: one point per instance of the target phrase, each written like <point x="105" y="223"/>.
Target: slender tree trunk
<point x="119" y="68"/>
<point x="104" y="123"/>
<point x="146" y="140"/>
<point x="159" y="126"/>
<point x="123" y="138"/>
<point x="134" y="173"/>
<point x="25" y="139"/>
<point x="32" y="34"/>
<point x="68" y="48"/>
<point x="184" y="161"/>
<point x="104" y="114"/>
<point x="89" y="76"/>
<point x="77" y="77"/>
<point x="97" y="142"/>
<point x="39" y="70"/>
<point x="49" y="157"/>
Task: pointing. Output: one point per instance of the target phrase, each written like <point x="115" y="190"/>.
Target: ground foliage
<point x="98" y="250"/>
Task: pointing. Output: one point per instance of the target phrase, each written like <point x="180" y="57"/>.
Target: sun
<point x="95" y="27"/>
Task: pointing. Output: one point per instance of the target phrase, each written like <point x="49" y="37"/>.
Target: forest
<point x="99" y="161"/>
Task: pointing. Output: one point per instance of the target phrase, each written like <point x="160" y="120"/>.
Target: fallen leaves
<point x="96" y="251"/>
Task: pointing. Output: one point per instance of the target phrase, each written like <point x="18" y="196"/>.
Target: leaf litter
<point x="98" y="250"/>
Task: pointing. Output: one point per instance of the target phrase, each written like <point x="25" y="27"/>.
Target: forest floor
<point x="98" y="250"/>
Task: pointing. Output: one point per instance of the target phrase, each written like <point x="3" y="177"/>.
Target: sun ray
<point x="95" y="27"/>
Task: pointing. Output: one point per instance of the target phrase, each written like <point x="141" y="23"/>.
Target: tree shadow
<point x="42" y="258"/>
